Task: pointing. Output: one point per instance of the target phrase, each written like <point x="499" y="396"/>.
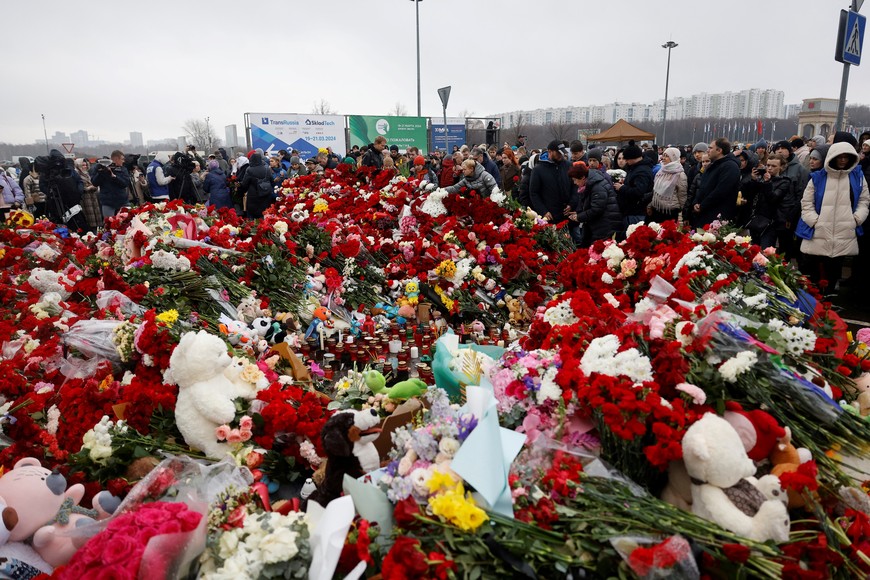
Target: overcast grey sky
<point x="115" y="67"/>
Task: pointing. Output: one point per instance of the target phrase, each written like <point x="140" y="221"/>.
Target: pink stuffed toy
<point x="45" y="506"/>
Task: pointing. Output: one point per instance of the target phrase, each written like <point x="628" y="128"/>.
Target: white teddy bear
<point x="205" y="394"/>
<point x="723" y="489"/>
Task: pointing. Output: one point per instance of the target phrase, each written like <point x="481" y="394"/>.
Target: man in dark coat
<point x="549" y="186"/>
<point x="256" y="202"/>
<point x="636" y="192"/>
<point x="716" y="197"/>
<point x="374" y="156"/>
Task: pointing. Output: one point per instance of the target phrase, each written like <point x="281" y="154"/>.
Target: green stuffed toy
<point x="400" y="391"/>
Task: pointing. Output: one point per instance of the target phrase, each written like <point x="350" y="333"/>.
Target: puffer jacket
<point x="215" y="185"/>
<point x="598" y="209"/>
<point x="550" y="188"/>
<point x="32" y="193"/>
<point x="255" y="203"/>
<point x="481" y="182"/>
<point x="717" y="193"/>
<point x="835" y="217"/>
<point x="636" y="191"/>
<point x="774" y="200"/>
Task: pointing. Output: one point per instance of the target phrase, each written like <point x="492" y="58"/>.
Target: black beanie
<point x="783" y="145"/>
<point x="632" y="151"/>
<point x="844" y="137"/>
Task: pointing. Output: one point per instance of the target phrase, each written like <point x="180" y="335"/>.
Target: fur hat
<point x="632" y="151"/>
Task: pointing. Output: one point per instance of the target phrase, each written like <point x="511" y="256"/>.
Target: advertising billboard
<point x="307" y="133"/>
<point x="403" y="132"/>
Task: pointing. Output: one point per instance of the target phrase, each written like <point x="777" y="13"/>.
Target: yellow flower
<point x="179" y="233"/>
<point x="446" y="269"/>
<point x="440" y="480"/>
<point x="320" y="206"/>
<point x="169" y="317"/>
<point x="458" y="508"/>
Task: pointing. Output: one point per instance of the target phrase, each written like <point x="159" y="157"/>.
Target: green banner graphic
<point x="403" y="132"/>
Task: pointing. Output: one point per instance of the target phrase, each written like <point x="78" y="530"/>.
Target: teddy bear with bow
<point x="205" y="393"/>
<point x="724" y="490"/>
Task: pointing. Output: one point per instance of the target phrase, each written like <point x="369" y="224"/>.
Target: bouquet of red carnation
<point x="128" y="544"/>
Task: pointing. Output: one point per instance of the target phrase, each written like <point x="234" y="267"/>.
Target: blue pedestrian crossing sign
<point x="850" y="38"/>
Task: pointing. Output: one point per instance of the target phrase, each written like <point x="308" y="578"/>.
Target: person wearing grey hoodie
<point x="474" y="177"/>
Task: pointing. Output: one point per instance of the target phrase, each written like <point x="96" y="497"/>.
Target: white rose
<point x="279" y="546"/>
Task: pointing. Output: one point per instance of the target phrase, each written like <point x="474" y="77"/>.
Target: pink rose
<point x="246" y="423"/>
<point x="118" y="549"/>
<point x="169" y="527"/>
<point x="234" y="436"/>
<point x="245" y="434"/>
<point x="118" y="572"/>
<point x="222" y="433"/>
<point x="189" y="520"/>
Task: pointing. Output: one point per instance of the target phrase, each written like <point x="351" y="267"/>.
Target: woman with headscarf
<point x="90" y="201"/>
<point x="669" y="189"/>
<point x="257" y="187"/>
<point x="241" y="167"/>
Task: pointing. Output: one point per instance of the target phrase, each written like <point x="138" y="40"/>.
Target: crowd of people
<point x="807" y="198"/>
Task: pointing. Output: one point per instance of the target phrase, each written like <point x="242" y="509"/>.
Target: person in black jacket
<point x="526" y="168"/>
<point x="748" y="162"/>
<point x="716" y="197"/>
<point x="374" y="156"/>
<point x="113" y="182"/>
<point x="596" y="212"/>
<point x="256" y="202"/>
<point x="636" y="191"/>
<point x="775" y="209"/>
<point x="549" y="186"/>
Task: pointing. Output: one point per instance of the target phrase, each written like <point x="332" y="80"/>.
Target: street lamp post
<point x="417" y="7"/>
<point x="669" y="45"/>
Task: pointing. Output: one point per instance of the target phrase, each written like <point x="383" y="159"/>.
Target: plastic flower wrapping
<point x="180" y="389"/>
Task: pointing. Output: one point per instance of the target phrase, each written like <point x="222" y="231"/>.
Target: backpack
<point x="264" y="186"/>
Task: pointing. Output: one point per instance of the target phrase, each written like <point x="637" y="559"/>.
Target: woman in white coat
<point x="834" y="205"/>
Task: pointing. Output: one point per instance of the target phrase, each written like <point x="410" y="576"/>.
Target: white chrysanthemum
<point x="693" y="259"/>
<point x="434" y="205"/>
<point x="561" y="314"/>
<point x="607" y="278"/>
<point x="737" y="365"/>
<point x="602" y="357"/>
<point x="798" y="340"/>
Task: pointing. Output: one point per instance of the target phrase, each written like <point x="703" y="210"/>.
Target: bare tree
<point x="519" y="127"/>
<point x="201" y="134"/>
<point x="322" y="107"/>
<point x="559" y="129"/>
<point x="466" y="113"/>
<point x="398" y="110"/>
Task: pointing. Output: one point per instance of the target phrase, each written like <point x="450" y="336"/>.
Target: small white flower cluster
<point x="614" y="255"/>
<point x="607" y="278"/>
<point x="602" y="356"/>
<point x="755" y="302"/>
<point x="434" y="204"/>
<point x="693" y="259"/>
<point x="280" y="227"/>
<point x="498" y="197"/>
<point x="739" y="240"/>
<point x="53" y="420"/>
<point x="98" y="441"/>
<point x="265" y="538"/>
<point x="549" y="390"/>
<point x="163" y="260"/>
<point x="657" y="228"/>
<point x="560" y="315"/>
<point x="737" y="365"/>
<point x="798" y="340"/>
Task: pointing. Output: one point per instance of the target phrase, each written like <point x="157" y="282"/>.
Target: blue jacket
<point x="820" y="180"/>
<point x="157" y="190"/>
<point x="215" y="185"/>
<point x="113" y="188"/>
<point x="491" y="167"/>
